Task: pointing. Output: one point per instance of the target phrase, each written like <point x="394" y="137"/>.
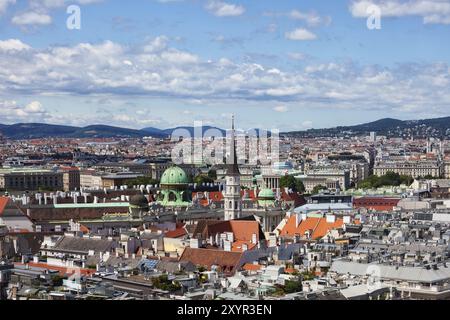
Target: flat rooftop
<point x="24" y="170"/>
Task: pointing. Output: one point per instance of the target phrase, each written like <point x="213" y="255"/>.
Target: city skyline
<point x="292" y="65"/>
<point x="224" y="156"/>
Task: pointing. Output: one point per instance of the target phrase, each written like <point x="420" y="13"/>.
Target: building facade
<point x="414" y="169"/>
<point x="71" y="178"/>
<point x="30" y="179"/>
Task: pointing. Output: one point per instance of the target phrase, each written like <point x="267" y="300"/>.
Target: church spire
<point x="232" y="162"/>
<point x="232" y="194"/>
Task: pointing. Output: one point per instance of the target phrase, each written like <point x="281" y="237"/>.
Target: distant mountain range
<point x="438" y="127"/>
<point x="167" y="132"/>
<point x="41" y="130"/>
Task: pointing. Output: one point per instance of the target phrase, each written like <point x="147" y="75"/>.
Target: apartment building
<point x="90" y="179"/>
<point x="414" y="169"/>
<point x="447" y="169"/>
<point x="30" y="179"/>
<point x="71" y="178"/>
<point x="333" y="180"/>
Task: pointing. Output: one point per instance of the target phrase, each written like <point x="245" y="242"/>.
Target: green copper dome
<point x="174" y="188"/>
<point x="174" y="176"/>
<point x="266" y="194"/>
<point x="266" y="198"/>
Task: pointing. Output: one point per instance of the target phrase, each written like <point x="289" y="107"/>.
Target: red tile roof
<point x="3" y="203"/>
<point x="318" y="227"/>
<point x="84" y="229"/>
<point x="376" y="203"/>
<point x="251" y="267"/>
<point x="237" y="246"/>
<point x="62" y="270"/>
<point x="293" y="196"/>
<point x="177" y="233"/>
<point x="252" y="194"/>
<point x="290" y="270"/>
<point x="214" y="196"/>
<point x="217" y="196"/>
<point x="226" y="261"/>
<point x="244" y="230"/>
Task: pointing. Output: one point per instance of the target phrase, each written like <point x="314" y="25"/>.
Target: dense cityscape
<point x="224" y="158"/>
<point x="363" y="217"/>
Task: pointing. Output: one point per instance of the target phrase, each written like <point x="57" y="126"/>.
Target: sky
<point x="287" y="65"/>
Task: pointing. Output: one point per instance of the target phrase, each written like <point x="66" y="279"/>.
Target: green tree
<point x="212" y="174"/>
<point x="407" y="180"/>
<point x="369" y="183"/>
<point x="203" y="178"/>
<point x="307" y="276"/>
<point x="291" y="182"/>
<point x="318" y="188"/>
<point x="300" y="186"/>
<point x="291" y="286"/>
<point x="201" y="268"/>
<point x="389" y="179"/>
<point x="57" y="281"/>
<point x="142" y="181"/>
<point x="163" y="283"/>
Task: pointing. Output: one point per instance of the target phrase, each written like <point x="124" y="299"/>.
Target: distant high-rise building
<point x="373" y="136"/>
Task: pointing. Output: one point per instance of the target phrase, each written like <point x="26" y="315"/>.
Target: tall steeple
<point x="232" y="194"/>
<point x="232" y="162"/>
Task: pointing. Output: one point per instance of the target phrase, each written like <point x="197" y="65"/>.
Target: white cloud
<point x="311" y="18"/>
<point x="38" y="12"/>
<point x="432" y="11"/>
<point x="4" y="4"/>
<point x="157" y="45"/>
<point x="281" y="109"/>
<point x="34" y="107"/>
<point x="115" y="71"/>
<point x="179" y="57"/>
<point x="59" y="3"/>
<point x="11" y="111"/>
<point x="13" y="45"/>
<point x="224" y="9"/>
<point x="31" y="18"/>
<point x="300" y="34"/>
<point x="297" y="55"/>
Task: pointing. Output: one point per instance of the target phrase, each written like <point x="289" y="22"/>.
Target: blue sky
<point x="282" y="64"/>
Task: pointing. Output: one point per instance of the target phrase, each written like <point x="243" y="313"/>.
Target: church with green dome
<point x="266" y="198"/>
<point x="175" y="188"/>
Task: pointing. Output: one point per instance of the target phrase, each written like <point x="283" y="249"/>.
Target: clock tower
<point x="232" y="194"/>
